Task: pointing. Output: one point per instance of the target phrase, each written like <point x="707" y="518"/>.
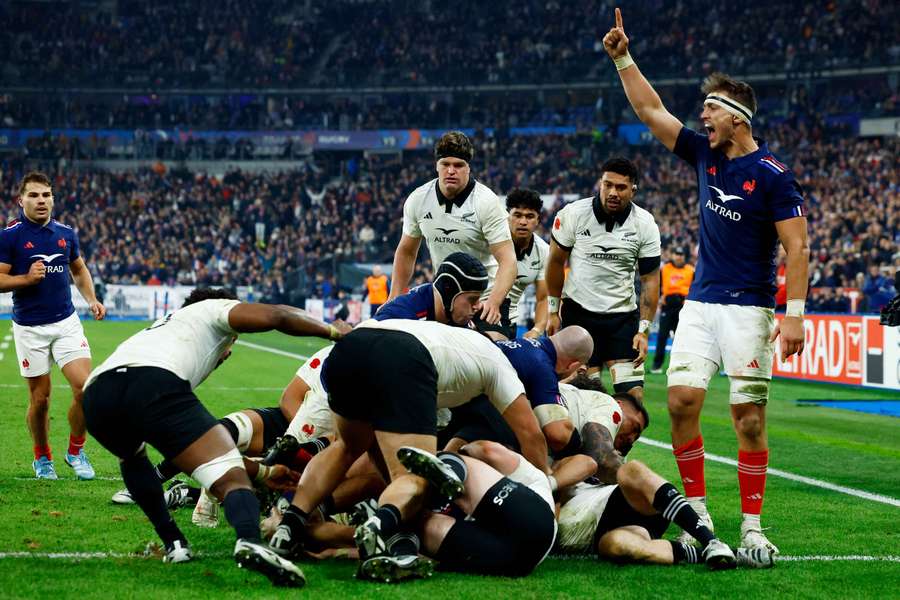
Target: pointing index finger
<point x="619" y="18"/>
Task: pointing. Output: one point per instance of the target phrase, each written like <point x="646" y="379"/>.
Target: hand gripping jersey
<point x="473" y="221"/>
<point x="24" y="242"/>
<point x="741" y="199"/>
<point x="189" y="342"/>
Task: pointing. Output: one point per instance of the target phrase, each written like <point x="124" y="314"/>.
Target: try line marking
<point x="118" y="555"/>
<point x="792" y="477"/>
<point x="272" y="350"/>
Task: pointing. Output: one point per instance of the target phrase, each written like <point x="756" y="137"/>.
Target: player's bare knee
<point x="749" y="424"/>
<point x="39" y="399"/>
<point x="616" y="546"/>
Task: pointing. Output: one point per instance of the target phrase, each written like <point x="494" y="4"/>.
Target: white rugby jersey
<point x="590" y="406"/>
<point x="584" y="504"/>
<point x="476" y="220"/>
<point x="188" y="342"/>
<point x="530" y="268"/>
<point x="311" y="371"/>
<point x="468" y="364"/>
<point x="603" y="263"/>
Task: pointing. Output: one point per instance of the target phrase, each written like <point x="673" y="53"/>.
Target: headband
<point x="732" y="106"/>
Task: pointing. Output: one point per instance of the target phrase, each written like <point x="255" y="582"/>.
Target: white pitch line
<point x="97" y="478"/>
<point x="7" y="337"/>
<point x="4" y="345"/>
<point x="119" y="555"/>
<point x="792" y="477"/>
<point x="272" y="350"/>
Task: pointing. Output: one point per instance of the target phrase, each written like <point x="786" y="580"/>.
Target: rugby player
<point x="386" y="380"/>
<point x="624" y="512"/>
<point x="37" y="254"/>
<point x="749" y="201"/>
<point x="606" y="239"/>
<point x="455" y="213"/>
<point x="143" y="393"/>
<point x="524" y="207"/>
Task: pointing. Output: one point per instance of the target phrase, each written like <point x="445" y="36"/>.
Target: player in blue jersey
<point x="37" y="254"/>
<point x="749" y="202"/>
<point x="452" y="298"/>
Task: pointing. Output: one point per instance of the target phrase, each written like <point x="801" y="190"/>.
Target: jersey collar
<point x="458" y="200"/>
<point x="32" y="225"/>
<point x="748" y="159"/>
<point x="604" y="218"/>
<point x="526" y="251"/>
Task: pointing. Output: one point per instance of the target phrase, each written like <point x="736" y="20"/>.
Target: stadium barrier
<point x="845" y="349"/>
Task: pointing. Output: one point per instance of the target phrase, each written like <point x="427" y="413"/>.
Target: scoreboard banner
<point x="847" y="349"/>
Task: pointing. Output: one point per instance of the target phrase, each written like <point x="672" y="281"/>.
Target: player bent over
<point x="144" y="393"/>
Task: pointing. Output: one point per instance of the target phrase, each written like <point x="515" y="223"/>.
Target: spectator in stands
<point x="878" y="289"/>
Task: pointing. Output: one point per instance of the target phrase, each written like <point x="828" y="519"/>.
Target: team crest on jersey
<point x="711" y="170"/>
<point x="749" y="186"/>
<point x="468" y="217"/>
<point x="61" y="243"/>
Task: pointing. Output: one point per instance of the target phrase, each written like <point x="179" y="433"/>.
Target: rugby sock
<point x="165" y="470"/>
<point x="456" y="463"/>
<point x="752" y="468"/>
<point x="684" y="553"/>
<point x="146" y="490"/>
<point x="295" y="519"/>
<point x="690" y="465"/>
<point x="389" y="515"/>
<point x="673" y="507"/>
<point x="40" y="451"/>
<point x="76" y="443"/>
<point x="309" y="449"/>
<point x="242" y="512"/>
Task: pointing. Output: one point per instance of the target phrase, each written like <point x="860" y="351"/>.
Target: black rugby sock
<point x="146" y="489"/>
<point x="684" y="553"/>
<point x="242" y="512"/>
<point x="673" y="507"/>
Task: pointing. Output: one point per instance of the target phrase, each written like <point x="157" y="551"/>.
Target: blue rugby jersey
<point x="417" y="303"/>
<point x="741" y="199"/>
<point x="22" y="243"/>
<point x="535" y="364"/>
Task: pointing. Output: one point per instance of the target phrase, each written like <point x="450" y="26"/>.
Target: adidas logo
<point x="753" y="364"/>
<point x="756" y="496"/>
<point x="585" y="232"/>
<point x="427" y="215"/>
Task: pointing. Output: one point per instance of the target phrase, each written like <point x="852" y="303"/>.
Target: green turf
<point x="842" y="447"/>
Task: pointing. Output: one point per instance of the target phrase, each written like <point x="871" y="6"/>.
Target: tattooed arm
<point x="597" y="443"/>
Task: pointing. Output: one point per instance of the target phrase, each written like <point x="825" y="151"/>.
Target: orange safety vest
<point x="378" y="289"/>
<point x="675" y="280"/>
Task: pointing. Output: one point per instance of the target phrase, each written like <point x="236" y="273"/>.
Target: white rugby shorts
<point x="734" y="337"/>
<point x="62" y="342"/>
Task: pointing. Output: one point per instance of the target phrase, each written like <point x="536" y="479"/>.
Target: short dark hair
<point x="33" y="177"/>
<point x="524" y="198"/>
<point x="637" y="404"/>
<point x="584" y="382"/>
<point x="736" y="90"/>
<point x="204" y="293"/>
<point x="622" y="166"/>
<point x="456" y="144"/>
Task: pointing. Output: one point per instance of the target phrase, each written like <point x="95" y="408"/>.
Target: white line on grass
<point x="107" y="555"/>
<point x="4" y="345"/>
<point x="272" y="350"/>
<point x="97" y="478"/>
<point x="792" y="477"/>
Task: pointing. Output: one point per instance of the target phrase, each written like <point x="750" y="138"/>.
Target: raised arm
<point x="643" y="98"/>
<point x="252" y="318"/>
<point x="404" y="263"/>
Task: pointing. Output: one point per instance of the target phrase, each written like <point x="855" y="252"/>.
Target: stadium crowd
<point x="288" y="44"/>
<point x="285" y="233"/>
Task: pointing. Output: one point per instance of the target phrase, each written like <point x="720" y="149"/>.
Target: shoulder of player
<point x="773" y="167"/>
<point x="63" y="225"/>
<point x="643" y="217"/>
<point x="12" y="225"/>
<point x="577" y="208"/>
<point x="542" y="246"/>
<point x="419" y="194"/>
<point x="483" y="197"/>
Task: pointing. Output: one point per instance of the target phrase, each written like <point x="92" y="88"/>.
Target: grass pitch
<point x="808" y="523"/>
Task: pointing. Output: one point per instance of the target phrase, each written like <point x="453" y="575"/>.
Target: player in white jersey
<point x="524" y="207"/>
<point x="143" y="393"/>
<point x="386" y="380"/>
<point x="748" y="204"/>
<point x="455" y="213"/>
<point x="622" y="513"/>
<point x="608" y="240"/>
